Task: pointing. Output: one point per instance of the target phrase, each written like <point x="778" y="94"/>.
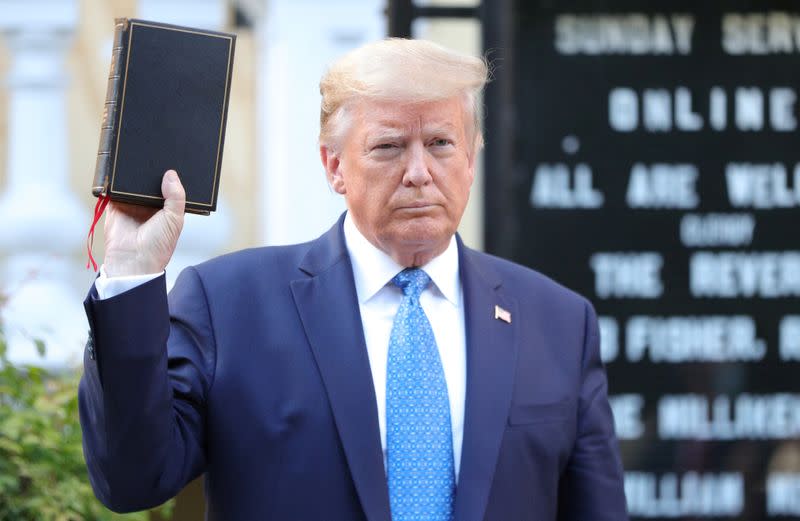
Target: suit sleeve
<point x="143" y="394"/>
<point x="592" y="485"/>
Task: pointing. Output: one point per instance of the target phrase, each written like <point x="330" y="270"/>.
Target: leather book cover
<point x="166" y="108"/>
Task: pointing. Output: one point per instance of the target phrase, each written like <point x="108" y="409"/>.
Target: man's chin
<point x="422" y="232"/>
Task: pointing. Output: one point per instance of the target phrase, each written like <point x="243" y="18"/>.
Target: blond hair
<point x="402" y="70"/>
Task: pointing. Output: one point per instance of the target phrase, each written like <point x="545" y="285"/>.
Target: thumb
<point x="173" y="192"/>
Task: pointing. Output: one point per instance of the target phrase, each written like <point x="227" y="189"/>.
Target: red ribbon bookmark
<point x="99" y="208"/>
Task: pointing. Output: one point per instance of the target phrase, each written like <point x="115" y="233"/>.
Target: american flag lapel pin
<point x="502" y="314"/>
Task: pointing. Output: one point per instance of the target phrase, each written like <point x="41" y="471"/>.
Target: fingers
<point x="173" y="192"/>
<point x="140" y="239"/>
<point x="134" y="211"/>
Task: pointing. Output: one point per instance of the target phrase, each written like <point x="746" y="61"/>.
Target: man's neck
<point x="373" y="268"/>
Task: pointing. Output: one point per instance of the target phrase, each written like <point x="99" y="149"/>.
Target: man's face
<point x="405" y="170"/>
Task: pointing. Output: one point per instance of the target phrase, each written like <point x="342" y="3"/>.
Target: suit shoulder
<point x="242" y="263"/>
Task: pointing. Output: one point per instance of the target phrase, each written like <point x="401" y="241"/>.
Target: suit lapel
<point x="328" y="307"/>
<point x="491" y="359"/>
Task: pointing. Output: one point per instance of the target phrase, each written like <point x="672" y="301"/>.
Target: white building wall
<point x="297" y="40"/>
<point x="39" y="213"/>
<point x="44" y="210"/>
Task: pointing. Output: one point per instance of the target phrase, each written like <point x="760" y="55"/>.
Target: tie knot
<point x="412" y="281"/>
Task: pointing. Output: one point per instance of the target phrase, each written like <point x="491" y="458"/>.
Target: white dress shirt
<point x="108" y="287"/>
<point x="378" y="300"/>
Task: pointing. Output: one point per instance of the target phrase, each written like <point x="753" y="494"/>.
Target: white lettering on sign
<point x="557" y="186"/>
<point x="783" y="494"/>
<point x="717" y="229"/>
<point x="609" y="338"/>
<point x="745" y="274"/>
<point x="749" y="108"/>
<point x="627" y="275"/>
<point x="685" y="117"/>
<point x="623" y="109"/>
<point x="633" y="33"/>
<point x="781" y="109"/>
<point x="789" y="338"/>
<point x="718" y="108"/>
<point x="747" y="417"/>
<point x="662" y="185"/>
<point x="760" y="33"/>
<point x="664" y="110"/>
<point x="627" y="411"/>
<point x="762" y="185"/>
<point x="693" y="339"/>
<point x="690" y="494"/>
<point x="658" y="113"/>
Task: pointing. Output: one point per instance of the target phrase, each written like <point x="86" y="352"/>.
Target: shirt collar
<point x="373" y="268"/>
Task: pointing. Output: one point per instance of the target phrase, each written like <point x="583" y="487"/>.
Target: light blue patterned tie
<point x="419" y="443"/>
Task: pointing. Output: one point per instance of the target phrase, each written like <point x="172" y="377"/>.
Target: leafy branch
<point x="43" y="474"/>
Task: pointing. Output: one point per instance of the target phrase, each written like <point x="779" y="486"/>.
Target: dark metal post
<point x="499" y="125"/>
<point x="400" y="14"/>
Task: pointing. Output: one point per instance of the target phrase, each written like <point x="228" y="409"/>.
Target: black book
<point x="166" y="108"/>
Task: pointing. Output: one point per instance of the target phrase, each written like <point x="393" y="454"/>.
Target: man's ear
<point x="330" y="160"/>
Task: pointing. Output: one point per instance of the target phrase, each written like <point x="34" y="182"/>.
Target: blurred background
<point x="54" y="59"/>
<point x="644" y="154"/>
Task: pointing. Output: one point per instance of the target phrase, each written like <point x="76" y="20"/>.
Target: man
<point x="383" y="371"/>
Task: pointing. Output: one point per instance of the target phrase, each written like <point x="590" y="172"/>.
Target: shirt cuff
<point x="108" y="287"/>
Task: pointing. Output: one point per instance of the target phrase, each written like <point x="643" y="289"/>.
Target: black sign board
<point x="652" y="163"/>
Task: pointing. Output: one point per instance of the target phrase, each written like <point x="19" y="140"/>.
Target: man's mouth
<point x="419" y="205"/>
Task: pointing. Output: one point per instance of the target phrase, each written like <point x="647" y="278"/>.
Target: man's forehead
<point x="443" y="115"/>
<point x="391" y="125"/>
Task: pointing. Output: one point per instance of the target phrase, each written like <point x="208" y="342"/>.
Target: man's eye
<point x="440" y="142"/>
<point x="384" y="146"/>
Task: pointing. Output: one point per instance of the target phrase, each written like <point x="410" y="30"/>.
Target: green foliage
<point x="43" y="475"/>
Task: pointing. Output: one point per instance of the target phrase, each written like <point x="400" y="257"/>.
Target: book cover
<point x="166" y="108"/>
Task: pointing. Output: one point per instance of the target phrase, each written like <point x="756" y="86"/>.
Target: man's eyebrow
<point x="439" y="127"/>
<point x="384" y="133"/>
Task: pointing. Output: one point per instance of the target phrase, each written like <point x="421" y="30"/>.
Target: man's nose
<point x="417" y="172"/>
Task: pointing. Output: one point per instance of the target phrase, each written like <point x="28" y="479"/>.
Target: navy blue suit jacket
<point x="254" y="370"/>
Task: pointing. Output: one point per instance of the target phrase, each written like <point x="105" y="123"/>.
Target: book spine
<point x="108" y="128"/>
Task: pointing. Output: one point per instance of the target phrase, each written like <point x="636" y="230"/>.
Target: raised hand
<point x="140" y="240"/>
